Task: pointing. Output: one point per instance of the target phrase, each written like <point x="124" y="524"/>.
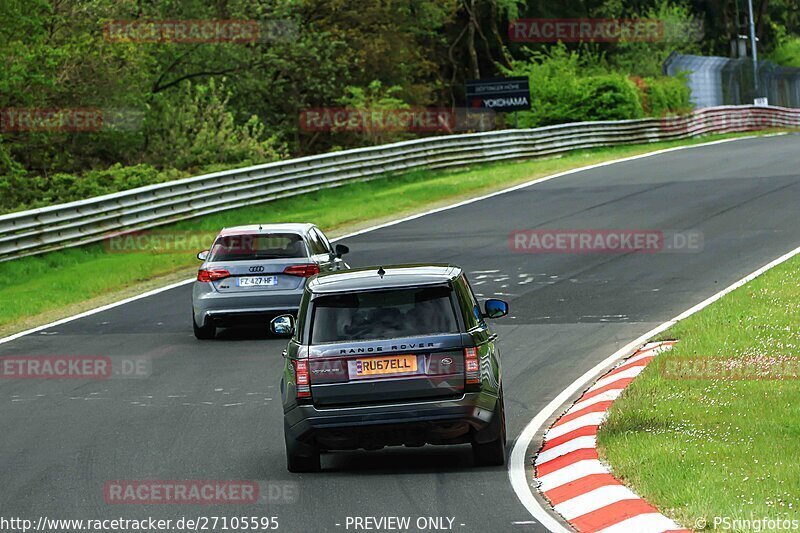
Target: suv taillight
<point x="304" y="271"/>
<point x="212" y="275"/>
<point x="472" y="366"/>
<point x="301" y="378"/>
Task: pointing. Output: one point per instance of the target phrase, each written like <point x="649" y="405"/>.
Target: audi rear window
<point x="383" y="315"/>
<point x="260" y="246"/>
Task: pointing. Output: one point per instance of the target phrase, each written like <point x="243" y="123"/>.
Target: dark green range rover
<point x="391" y="356"/>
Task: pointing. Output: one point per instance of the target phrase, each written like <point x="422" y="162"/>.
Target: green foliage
<point x="788" y="52"/>
<point x="554" y="86"/>
<point x="664" y="95"/>
<point x="567" y="86"/>
<point x="69" y="277"/>
<point x="193" y="128"/>
<point x="376" y="98"/>
<point x="682" y="32"/>
<point x="716" y="416"/>
<point x="24" y="191"/>
<point x="608" y="97"/>
<point x="196" y="106"/>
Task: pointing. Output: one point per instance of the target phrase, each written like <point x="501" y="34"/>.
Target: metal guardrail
<point x="86" y="221"/>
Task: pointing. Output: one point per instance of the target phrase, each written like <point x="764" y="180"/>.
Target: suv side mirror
<point x="282" y="325"/>
<point x="495" y="308"/>
<point x="341" y="249"/>
<point x="202" y="256"/>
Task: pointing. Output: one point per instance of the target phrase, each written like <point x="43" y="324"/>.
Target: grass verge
<point x="712" y="431"/>
<point x="39" y="289"/>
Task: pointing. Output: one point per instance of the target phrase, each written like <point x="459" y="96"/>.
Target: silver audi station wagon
<point x="254" y="273"/>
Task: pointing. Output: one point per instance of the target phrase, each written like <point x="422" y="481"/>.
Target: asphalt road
<point x="211" y="410"/>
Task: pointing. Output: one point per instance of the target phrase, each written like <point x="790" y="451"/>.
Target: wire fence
<point x="717" y="81"/>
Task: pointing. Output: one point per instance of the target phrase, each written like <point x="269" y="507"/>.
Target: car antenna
<point x="259" y="227"/>
<point x="381" y="272"/>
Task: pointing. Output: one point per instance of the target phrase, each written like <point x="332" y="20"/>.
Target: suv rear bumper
<point x="444" y="421"/>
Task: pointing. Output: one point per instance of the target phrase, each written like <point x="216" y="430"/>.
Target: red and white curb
<point x="570" y="475"/>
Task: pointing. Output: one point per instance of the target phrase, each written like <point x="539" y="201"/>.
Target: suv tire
<point x="493" y="453"/>
<point x="301" y="457"/>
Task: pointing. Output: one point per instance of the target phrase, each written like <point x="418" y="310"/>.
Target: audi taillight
<point x="213" y="274"/>
<point x="472" y="366"/>
<point x="301" y="378"/>
<point x="304" y="271"/>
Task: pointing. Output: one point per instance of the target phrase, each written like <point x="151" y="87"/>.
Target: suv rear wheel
<point x="493" y="453"/>
<point x="301" y="457"/>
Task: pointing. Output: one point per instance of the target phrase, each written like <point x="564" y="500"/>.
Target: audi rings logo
<point x="256" y="269"/>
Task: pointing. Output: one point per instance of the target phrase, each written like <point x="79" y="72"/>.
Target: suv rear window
<point x="260" y="246"/>
<point x="383" y="315"/>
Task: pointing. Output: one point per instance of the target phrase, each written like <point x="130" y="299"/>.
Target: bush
<point x="787" y="53"/>
<point x="683" y="33"/>
<point x="569" y="87"/>
<point x="378" y="98"/>
<point x="554" y="86"/>
<point x="664" y="95"/>
<point x="20" y="191"/>
<point x="608" y="97"/>
<point x="194" y="128"/>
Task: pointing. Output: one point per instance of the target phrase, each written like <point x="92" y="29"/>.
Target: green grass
<point x="36" y="289"/>
<point x="705" y="448"/>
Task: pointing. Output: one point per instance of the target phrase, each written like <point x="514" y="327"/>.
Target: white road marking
<point x="625" y="374"/>
<point x="578" y="443"/>
<point x="594" y="500"/>
<point x="570" y="473"/>
<point x="516" y="467"/>
<point x="589" y="419"/>
<point x="637" y="358"/>
<point x="386" y="225"/>
<point x="92" y="312"/>
<point x="607" y="396"/>
<point x="517" y="471"/>
<point x="643" y="523"/>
